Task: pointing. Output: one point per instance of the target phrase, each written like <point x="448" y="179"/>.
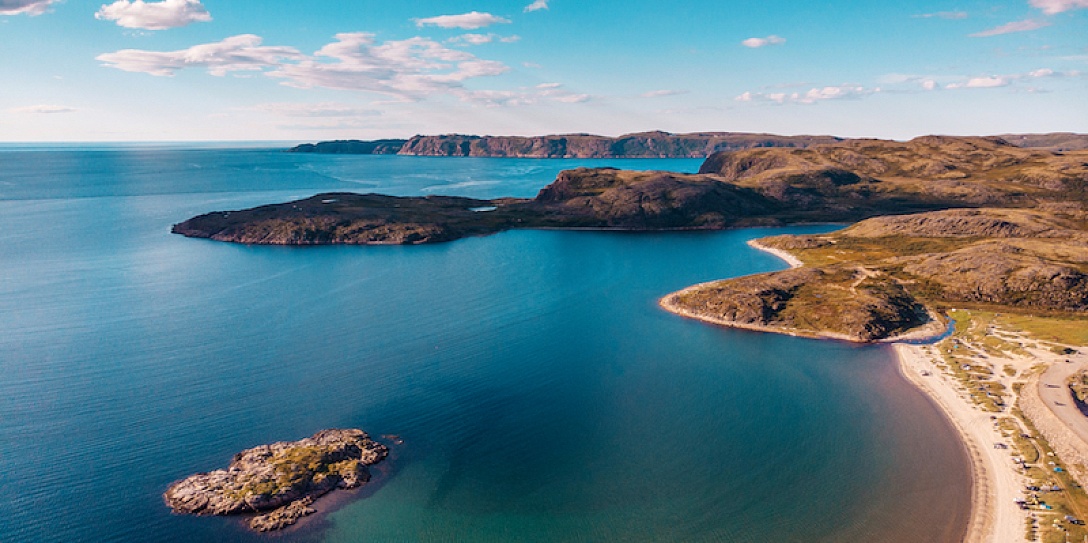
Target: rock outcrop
<point x="280" y="480"/>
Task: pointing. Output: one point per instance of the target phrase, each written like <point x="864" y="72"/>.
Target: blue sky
<point x="171" y="70"/>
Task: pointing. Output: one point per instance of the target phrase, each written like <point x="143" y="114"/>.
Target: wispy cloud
<point x="29" y="7"/>
<point x="1051" y="7"/>
<point x="154" y="15"/>
<point x="537" y="5"/>
<point x="481" y="39"/>
<point x="812" y="96"/>
<point x="990" y="82"/>
<point x="318" y="110"/>
<point x="998" y="81"/>
<point x="407" y="69"/>
<point x="1026" y="25"/>
<point x="663" y="92"/>
<point x="468" y="21"/>
<point x="525" y="96"/>
<point x="43" y="109"/>
<point x="763" y="42"/>
<point x="950" y="15"/>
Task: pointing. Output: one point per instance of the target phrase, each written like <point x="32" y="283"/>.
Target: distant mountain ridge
<point x="640" y="145"/>
<point x="655" y="144"/>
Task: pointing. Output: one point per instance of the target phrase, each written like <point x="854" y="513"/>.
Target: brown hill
<point x="867" y="281"/>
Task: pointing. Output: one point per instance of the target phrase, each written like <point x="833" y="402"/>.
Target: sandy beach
<point x="995" y="517"/>
<point x="793" y="261"/>
<point x="1032" y="378"/>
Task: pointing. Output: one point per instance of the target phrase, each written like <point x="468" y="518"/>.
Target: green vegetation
<point x="1040" y="462"/>
<point x="1078" y="384"/>
<point x="297" y="469"/>
<point x="1067" y="330"/>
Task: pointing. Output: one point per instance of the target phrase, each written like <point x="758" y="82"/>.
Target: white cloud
<point x="762" y="42"/>
<point x="407" y="69"/>
<point x="951" y="15"/>
<point x="525" y="96"/>
<point x="473" y="39"/>
<point x="1050" y="7"/>
<point x="812" y="96"/>
<point x="29" y="7"/>
<point x="929" y="84"/>
<point x="573" y="98"/>
<point x="318" y="110"/>
<point x="154" y="15"/>
<point x="531" y="65"/>
<point x="537" y="5"/>
<point x="468" y="21"/>
<point x="997" y="81"/>
<point x="990" y="82"/>
<point x="43" y="109"/>
<point x="234" y="54"/>
<point x="1026" y="25"/>
<point x="480" y="39"/>
<point x="663" y="93"/>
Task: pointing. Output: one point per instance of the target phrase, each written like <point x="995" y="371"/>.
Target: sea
<point x="527" y="383"/>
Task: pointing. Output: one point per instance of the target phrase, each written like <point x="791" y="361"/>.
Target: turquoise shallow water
<point x="540" y="393"/>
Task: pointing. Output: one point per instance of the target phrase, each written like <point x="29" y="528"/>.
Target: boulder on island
<point x="279" y="481"/>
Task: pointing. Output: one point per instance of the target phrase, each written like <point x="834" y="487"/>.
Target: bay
<point x="540" y="392"/>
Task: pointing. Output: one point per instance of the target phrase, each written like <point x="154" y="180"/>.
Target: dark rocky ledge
<point x="278" y="483"/>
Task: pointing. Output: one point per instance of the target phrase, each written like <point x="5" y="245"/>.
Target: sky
<point x="218" y="70"/>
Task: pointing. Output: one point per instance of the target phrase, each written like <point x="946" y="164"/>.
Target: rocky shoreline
<point x="278" y="483"/>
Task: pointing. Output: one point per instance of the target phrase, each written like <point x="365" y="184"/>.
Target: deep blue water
<point x="540" y="392"/>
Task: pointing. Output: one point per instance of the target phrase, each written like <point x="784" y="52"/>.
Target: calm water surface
<point x="540" y="393"/>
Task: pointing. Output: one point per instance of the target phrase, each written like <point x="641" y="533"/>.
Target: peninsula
<point x="278" y="483"/>
<point x="841" y="182"/>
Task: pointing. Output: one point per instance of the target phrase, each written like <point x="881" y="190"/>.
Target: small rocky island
<point x="278" y="483"/>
